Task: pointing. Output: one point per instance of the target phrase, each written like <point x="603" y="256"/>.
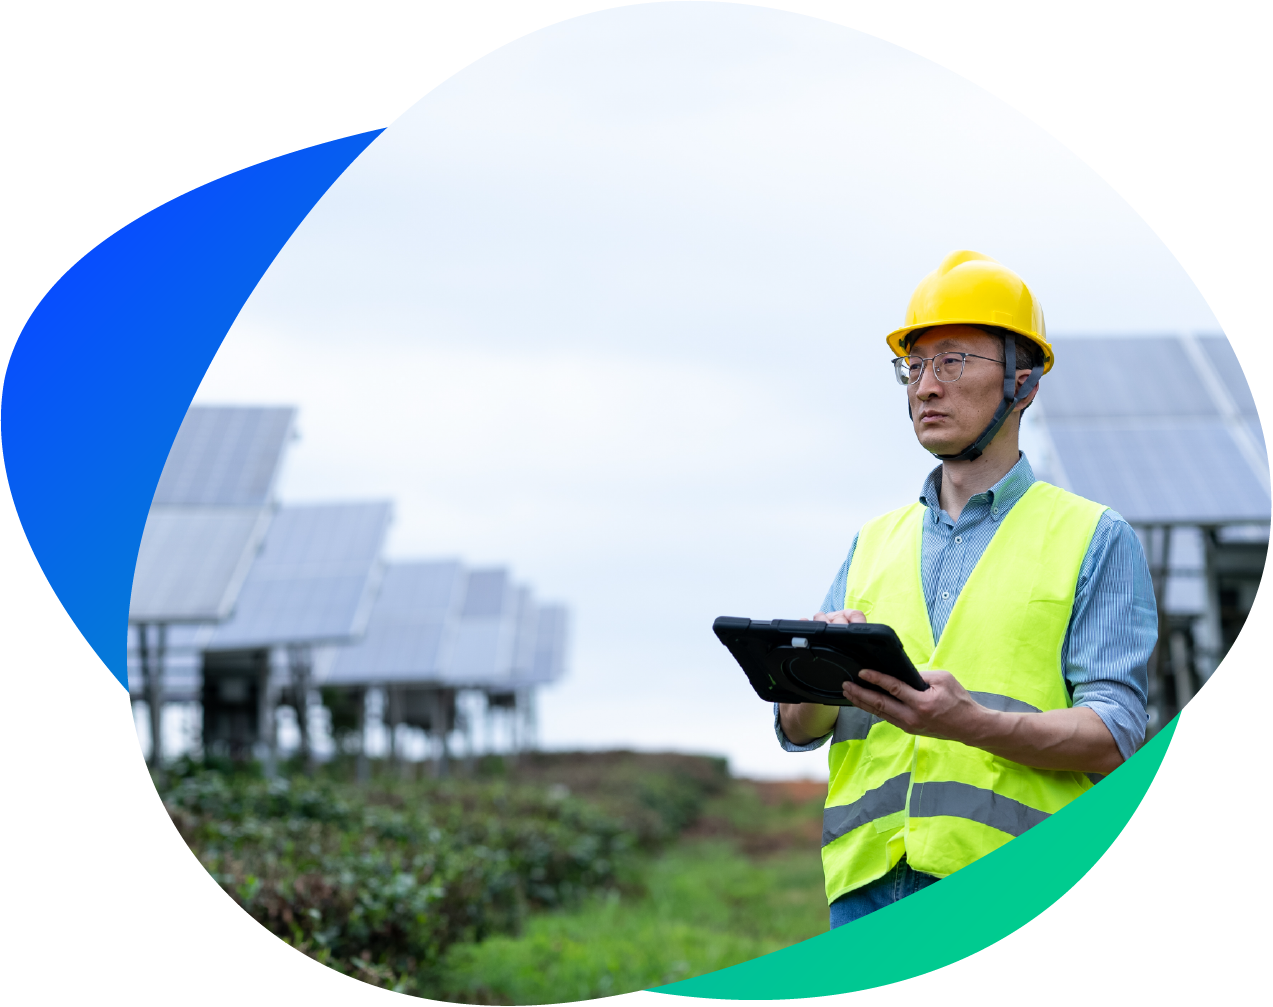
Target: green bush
<point x="378" y="883"/>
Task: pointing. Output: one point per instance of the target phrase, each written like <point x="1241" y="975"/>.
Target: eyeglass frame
<point x="925" y="360"/>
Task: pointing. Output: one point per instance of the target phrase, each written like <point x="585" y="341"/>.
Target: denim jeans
<point x="898" y="883"/>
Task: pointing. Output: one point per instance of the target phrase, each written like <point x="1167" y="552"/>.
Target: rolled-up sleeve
<point x="1113" y="631"/>
<point x="790" y="746"/>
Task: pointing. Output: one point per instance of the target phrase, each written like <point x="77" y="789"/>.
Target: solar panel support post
<point x="392" y="718"/>
<point x="1159" y="537"/>
<point x="266" y="726"/>
<point x="439" y="728"/>
<point x="152" y="684"/>
<point x="1209" y="656"/>
<point x="362" y="768"/>
<point x="470" y="746"/>
<point x="526" y="704"/>
<point x="300" y="666"/>
<point x="1180" y="670"/>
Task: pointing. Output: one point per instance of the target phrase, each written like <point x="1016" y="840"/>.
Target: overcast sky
<point x="609" y="305"/>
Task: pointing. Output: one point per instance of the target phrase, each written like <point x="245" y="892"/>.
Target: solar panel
<point x="406" y="629"/>
<point x="1161" y="430"/>
<point x="225" y="456"/>
<point x="438" y="623"/>
<point x="209" y="514"/>
<point x="192" y="562"/>
<point x="1220" y="353"/>
<point x="549" y="661"/>
<point x="482" y="649"/>
<point x="313" y="581"/>
<point x="1225" y="363"/>
<point x="1123" y="376"/>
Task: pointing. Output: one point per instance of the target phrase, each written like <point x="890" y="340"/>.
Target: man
<point x="1028" y="610"/>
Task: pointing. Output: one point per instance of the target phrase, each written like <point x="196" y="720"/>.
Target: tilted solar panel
<point x="225" y="456"/>
<point x="438" y="623"/>
<point x="1161" y="429"/>
<point x="410" y="622"/>
<point x="549" y="662"/>
<point x="1227" y="368"/>
<point x="193" y="561"/>
<point x="314" y="579"/>
<point x="1123" y="376"/>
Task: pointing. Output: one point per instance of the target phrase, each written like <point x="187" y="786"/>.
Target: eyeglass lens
<point x="947" y="367"/>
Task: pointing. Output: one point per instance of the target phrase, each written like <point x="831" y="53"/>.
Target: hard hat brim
<point x="897" y="338"/>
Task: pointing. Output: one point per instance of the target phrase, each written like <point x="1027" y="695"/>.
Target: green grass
<point x="703" y="905"/>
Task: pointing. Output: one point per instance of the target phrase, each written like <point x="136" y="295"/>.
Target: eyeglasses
<point x="947" y="367"/>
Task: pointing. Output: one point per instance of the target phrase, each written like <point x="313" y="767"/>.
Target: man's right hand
<point x="803" y="722"/>
<point x="846" y="616"/>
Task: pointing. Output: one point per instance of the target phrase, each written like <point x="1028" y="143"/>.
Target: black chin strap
<point x="1011" y="397"/>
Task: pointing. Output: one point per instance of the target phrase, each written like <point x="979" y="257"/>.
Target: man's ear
<point x="1022" y="378"/>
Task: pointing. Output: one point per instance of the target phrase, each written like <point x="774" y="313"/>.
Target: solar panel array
<point x="209" y="514"/>
<point x="312" y="582"/>
<point x="224" y="569"/>
<point x="1162" y="429"/>
<point x="440" y="623"/>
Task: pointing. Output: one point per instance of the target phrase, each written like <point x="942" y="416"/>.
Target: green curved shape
<point x="971" y="909"/>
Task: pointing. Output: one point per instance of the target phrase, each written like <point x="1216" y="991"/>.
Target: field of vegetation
<point x="564" y="877"/>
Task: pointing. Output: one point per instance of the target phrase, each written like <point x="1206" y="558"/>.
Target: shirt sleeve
<point x="833" y="602"/>
<point x="1112" y="633"/>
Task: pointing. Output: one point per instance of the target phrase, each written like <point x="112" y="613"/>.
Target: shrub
<point x="378" y="883"/>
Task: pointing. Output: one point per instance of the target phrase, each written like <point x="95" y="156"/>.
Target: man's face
<point x="948" y="416"/>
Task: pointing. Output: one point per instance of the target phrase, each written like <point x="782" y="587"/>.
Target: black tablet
<point x="793" y="661"/>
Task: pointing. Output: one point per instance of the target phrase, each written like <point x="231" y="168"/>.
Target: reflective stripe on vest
<point x="942" y="804"/>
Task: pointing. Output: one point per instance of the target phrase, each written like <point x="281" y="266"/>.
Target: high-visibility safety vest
<point x="943" y="804"/>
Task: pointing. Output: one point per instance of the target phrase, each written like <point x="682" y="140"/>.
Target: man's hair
<point x="1029" y="353"/>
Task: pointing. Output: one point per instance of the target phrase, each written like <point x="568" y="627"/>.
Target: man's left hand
<point x="944" y="710"/>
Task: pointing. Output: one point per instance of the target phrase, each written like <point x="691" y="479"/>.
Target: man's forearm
<point x="1075" y="739"/>
<point x="803" y="722"/>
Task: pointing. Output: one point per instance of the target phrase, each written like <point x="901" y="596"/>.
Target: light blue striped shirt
<point x="1113" y="627"/>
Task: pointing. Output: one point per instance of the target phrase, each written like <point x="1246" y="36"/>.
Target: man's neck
<point x="961" y="481"/>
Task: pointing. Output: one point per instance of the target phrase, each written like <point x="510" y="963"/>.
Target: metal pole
<point x="1209" y="656"/>
<point x="152" y="673"/>
<point x="299" y="664"/>
<point x="526" y="701"/>
<point x="437" y="728"/>
<point x="1180" y="669"/>
<point x="470" y="745"/>
<point x="143" y="658"/>
<point x="265" y="730"/>
<point x="1159" y="546"/>
<point x="362" y="769"/>
<point x="392" y="718"/>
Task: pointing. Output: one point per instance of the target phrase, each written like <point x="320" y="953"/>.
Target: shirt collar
<point x="1001" y="496"/>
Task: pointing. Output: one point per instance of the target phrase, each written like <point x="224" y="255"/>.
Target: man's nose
<point x="927" y="386"/>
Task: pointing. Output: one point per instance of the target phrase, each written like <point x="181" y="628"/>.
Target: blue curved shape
<point x="107" y="364"/>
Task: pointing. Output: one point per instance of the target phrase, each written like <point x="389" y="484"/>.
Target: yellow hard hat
<point x="969" y="288"/>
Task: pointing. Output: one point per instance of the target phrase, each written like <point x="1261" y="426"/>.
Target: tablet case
<point x="794" y="661"/>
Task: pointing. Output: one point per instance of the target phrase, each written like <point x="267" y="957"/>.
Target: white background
<point x="111" y="110"/>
